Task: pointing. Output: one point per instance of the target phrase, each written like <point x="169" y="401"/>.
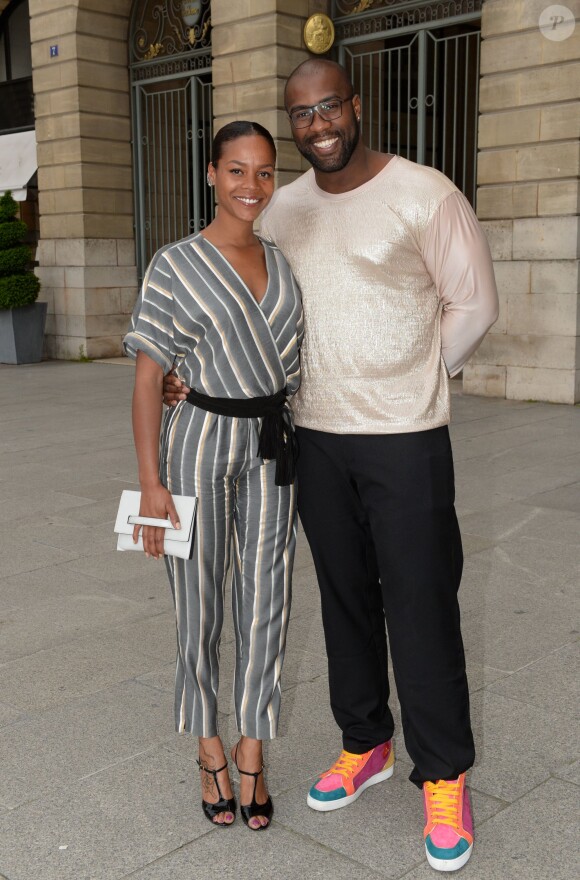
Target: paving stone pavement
<point x="95" y="784"/>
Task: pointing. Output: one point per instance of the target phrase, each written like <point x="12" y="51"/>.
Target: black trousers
<point x="378" y="512"/>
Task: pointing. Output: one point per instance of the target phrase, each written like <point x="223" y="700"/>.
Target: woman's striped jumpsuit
<point x="196" y="313"/>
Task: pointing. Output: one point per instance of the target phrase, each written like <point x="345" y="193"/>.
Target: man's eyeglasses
<point x="327" y="110"/>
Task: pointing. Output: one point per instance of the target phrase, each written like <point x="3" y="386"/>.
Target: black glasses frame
<point x="317" y="108"/>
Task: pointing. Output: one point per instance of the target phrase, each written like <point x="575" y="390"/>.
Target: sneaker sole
<point x="326" y="806"/>
<point x="449" y="864"/>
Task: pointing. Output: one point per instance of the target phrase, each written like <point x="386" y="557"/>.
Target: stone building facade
<point x="527" y="144"/>
<point x="528" y="200"/>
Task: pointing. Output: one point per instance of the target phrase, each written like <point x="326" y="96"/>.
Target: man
<point x="398" y="291"/>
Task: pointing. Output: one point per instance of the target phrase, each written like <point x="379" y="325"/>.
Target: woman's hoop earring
<point x="209" y="183"/>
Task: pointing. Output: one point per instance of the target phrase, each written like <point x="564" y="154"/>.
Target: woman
<point x="223" y="309"/>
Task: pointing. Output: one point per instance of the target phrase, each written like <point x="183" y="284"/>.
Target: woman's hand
<point x="156" y="502"/>
<point x="173" y="390"/>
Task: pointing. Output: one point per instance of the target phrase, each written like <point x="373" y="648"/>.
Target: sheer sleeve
<point x="457" y="256"/>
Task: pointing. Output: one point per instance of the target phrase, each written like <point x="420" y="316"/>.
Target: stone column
<point x="528" y="200"/>
<point x="86" y="251"/>
<point x="255" y="45"/>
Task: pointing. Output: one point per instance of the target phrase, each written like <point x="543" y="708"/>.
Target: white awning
<point x="17" y="162"/>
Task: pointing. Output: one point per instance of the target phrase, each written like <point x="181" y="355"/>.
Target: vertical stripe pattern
<point x="196" y="313"/>
<point x="215" y="458"/>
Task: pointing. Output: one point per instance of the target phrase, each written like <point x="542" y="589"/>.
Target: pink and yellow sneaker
<point x="449" y="826"/>
<point x="349" y="776"/>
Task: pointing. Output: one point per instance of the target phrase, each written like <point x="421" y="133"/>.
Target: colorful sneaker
<point x="449" y="826"/>
<point x="349" y="776"/>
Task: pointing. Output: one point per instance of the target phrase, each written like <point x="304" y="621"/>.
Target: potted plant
<point x="22" y="319"/>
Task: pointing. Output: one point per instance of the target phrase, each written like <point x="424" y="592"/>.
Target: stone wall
<point x="529" y="166"/>
<point x="528" y="200"/>
<point x="255" y="45"/>
<point x="86" y="251"/>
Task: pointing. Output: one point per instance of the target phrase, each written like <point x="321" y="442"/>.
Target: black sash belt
<point x="277" y="438"/>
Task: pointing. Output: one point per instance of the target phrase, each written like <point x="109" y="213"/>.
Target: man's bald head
<point x="325" y="114"/>
<point x="313" y="67"/>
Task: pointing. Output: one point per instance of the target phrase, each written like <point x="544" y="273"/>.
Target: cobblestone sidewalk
<point x="95" y="784"/>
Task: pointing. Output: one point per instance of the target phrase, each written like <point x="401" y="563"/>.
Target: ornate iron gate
<point x="416" y="68"/>
<point x="172" y="121"/>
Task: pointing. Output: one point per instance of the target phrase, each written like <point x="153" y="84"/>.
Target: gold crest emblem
<point x="319" y="33"/>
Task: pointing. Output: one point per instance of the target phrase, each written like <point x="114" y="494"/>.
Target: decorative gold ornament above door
<point x="353" y="7"/>
<point x="408" y="11"/>
<point x="164" y="28"/>
<point x="319" y="34"/>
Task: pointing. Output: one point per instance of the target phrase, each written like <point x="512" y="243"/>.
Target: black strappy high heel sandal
<point x="250" y="811"/>
<point x="223" y="805"/>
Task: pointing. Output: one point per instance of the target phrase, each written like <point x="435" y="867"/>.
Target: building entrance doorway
<point x="171" y="92"/>
<point x="416" y="68"/>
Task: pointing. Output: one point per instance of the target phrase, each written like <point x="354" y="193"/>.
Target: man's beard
<point x="348" y="143"/>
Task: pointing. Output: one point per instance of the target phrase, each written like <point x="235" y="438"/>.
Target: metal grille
<point x="419" y="91"/>
<point x="372" y="15"/>
<point x="172" y="139"/>
<point x="170" y="51"/>
<point x="168" y="28"/>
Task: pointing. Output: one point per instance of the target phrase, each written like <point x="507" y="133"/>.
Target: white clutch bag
<point x="178" y="542"/>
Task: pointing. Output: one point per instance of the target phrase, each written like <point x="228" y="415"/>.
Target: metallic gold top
<point x="398" y="291"/>
<point x="319" y="33"/>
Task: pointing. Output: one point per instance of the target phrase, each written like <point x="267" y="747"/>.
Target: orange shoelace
<point x="443" y="802"/>
<point x="347" y="764"/>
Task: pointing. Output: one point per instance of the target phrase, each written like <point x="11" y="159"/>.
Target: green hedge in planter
<point x="18" y="290"/>
<point x="18" y="285"/>
<point x="12" y="234"/>
<point x="14" y="261"/>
